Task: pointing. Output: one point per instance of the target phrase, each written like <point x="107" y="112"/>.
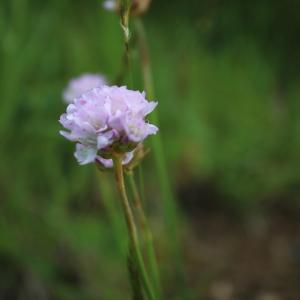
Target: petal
<point x="149" y="108"/>
<point x="135" y="128"/>
<point x="127" y="157"/>
<point x="106" y="139"/>
<point x="67" y="135"/>
<point x="107" y="163"/>
<point x="151" y="129"/>
<point x="102" y="142"/>
<point x="85" y="154"/>
<point x="116" y="122"/>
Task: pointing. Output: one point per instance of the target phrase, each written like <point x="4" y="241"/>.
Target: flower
<point x="107" y="120"/>
<point x="81" y="84"/>
<point x="110" y="5"/>
<point x="137" y="8"/>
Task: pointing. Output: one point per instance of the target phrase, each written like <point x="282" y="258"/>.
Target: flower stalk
<point x="125" y="6"/>
<point x="170" y="209"/>
<point x="134" y="247"/>
<point x="159" y="156"/>
<point x="146" y="233"/>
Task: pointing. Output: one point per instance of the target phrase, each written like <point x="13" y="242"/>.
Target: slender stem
<point x="137" y="202"/>
<point x="132" y="231"/>
<point x="169" y="205"/>
<point x="135" y="280"/>
<point x="124" y="13"/>
<point x="159" y="156"/>
<point x="146" y="233"/>
<point x="125" y="6"/>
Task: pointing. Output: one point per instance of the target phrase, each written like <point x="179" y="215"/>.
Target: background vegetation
<point x="227" y="80"/>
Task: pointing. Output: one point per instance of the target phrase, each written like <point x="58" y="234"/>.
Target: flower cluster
<point x="81" y="84"/>
<point x="107" y="120"/>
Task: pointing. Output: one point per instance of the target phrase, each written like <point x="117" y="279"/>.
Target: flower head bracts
<point x="81" y="84"/>
<point x="107" y="120"/>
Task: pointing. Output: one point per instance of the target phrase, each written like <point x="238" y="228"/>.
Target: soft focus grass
<point x="222" y="120"/>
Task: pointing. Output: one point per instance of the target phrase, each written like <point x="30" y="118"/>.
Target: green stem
<point x="146" y="233"/>
<point x="124" y="21"/>
<point x="135" y="280"/>
<point x="169" y="206"/>
<point x="132" y="231"/>
<point x="159" y="156"/>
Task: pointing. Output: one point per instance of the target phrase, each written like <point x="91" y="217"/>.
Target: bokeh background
<point x="226" y="76"/>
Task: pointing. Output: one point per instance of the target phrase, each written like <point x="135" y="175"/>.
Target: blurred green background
<point x="226" y="75"/>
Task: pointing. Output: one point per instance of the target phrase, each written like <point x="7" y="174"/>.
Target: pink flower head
<point x="82" y="84"/>
<point x="107" y="119"/>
